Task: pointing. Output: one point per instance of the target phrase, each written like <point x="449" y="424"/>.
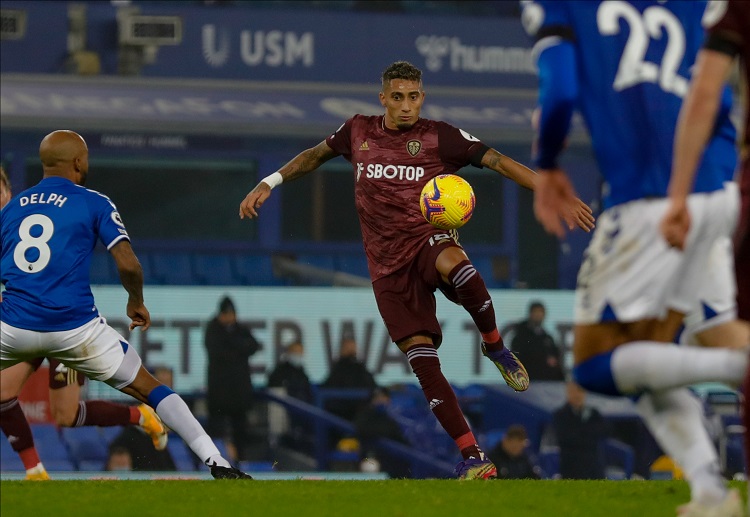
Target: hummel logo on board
<point x="364" y="146"/>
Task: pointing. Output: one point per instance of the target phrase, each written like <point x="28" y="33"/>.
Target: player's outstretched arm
<point x="555" y="201"/>
<point x="571" y="209"/>
<point x="694" y="127"/>
<point x="305" y="162"/>
<point x="131" y="277"/>
<point x="509" y="168"/>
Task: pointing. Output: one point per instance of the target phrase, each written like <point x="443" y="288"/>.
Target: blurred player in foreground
<point x="47" y="235"/>
<point x="624" y="65"/>
<point x="728" y="26"/>
<point x="394" y="155"/>
<point x="64" y="396"/>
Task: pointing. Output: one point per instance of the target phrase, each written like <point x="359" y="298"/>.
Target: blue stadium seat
<point x="483" y="264"/>
<point x="324" y="261"/>
<point x="254" y="269"/>
<point x="103" y="269"/>
<point x="213" y="269"/>
<point x="318" y="260"/>
<point x="108" y="434"/>
<point x="173" y="268"/>
<point x="221" y="446"/>
<point x="52" y="448"/>
<point x="492" y="438"/>
<point x="620" y="454"/>
<point x="549" y="461"/>
<point x="183" y="457"/>
<point x="59" y="465"/>
<point x="354" y="264"/>
<point x="256" y="466"/>
<point x="87" y="447"/>
<point x="149" y="276"/>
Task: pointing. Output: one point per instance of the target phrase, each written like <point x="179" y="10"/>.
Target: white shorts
<point x="629" y="273"/>
<point x="94" y="349"/>
<point x="718" y="304"/>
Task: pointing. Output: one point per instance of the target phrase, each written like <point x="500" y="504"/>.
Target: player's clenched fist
<point x="254" y="200"/>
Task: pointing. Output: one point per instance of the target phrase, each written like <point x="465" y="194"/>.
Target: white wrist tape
<point x="273" y="180"/>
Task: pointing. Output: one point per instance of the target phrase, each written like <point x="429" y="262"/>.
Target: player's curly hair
<point x="402" y="70"/>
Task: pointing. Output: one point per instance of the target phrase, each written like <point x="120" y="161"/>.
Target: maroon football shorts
<point x="59" y="374"/>
<point x="406" y="297"/>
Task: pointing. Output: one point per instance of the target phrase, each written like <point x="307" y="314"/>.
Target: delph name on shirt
<point x="53" y="198"/>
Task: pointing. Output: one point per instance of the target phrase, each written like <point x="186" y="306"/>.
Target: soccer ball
<point x="447" y="201"/>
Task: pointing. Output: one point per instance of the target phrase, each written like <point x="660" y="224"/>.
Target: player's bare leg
<point x="68" y="410"/>
<point x="626" y="358"/>
<point x="177" y="416"/>
<point x="424" y="361"/>
<point x="471" y="292"/>
<point x="14" y="423"/>
<point x="732" y="334"/>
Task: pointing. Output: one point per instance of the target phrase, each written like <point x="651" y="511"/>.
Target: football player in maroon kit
<point x="393" y="156"/>
<point x="728" y="36"/>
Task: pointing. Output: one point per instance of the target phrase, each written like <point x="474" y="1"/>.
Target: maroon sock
<point x="443" y="402"/>
<point x="474" y="297"/>
<point x="101" y="413"/>
<point x="16" y="428"/>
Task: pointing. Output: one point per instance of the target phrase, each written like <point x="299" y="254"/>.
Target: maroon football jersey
<point x="390" y="169"/>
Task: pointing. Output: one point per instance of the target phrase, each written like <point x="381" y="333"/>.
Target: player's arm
<point x="697" y="118"/>
<point x="558" y="95"/>
<point x="304" y="163"/>
<point x="695" y="125"/>
<point x="509" y="168"/>
<point x="131" y="277"/>
<point x="574" y="211"/>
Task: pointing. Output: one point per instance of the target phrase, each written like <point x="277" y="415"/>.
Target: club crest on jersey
<point x="117" y="219"/>
<point x="413" y="146"/>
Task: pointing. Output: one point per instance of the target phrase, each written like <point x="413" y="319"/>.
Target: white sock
<point x="217" y="459"/>
<point x="649" y="365"/>
<point x="177" y="416"/>
<point x="675" y="419"/>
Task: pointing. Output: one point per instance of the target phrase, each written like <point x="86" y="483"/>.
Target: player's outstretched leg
<point x="69" y="410"/>
<point x="472" y="294"/>
<point x="730" y="506"/>
<point x="512" y="370"/>
<point x="177" y="416"/>
<point x="442" y="399"/>
<point x="675" y="419"/>
<point x="13" y="422"/>
<point x="17" y="430"/>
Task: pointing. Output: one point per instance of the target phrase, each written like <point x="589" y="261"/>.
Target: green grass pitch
<point x="306" y="498"/>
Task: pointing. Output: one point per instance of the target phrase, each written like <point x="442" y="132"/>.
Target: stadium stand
<point x="103" y="269"/>
<point x="87" y="447"/>
<point x="213" y="269"/>
<point x="52" y="448"/>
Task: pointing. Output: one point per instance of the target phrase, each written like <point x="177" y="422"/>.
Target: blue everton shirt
<point x="47" y="236"/>
<point x="626" y="67"/>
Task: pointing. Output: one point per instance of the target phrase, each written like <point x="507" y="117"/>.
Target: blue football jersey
<point x="47" y="236"/>
<point x="632" y="65"/>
